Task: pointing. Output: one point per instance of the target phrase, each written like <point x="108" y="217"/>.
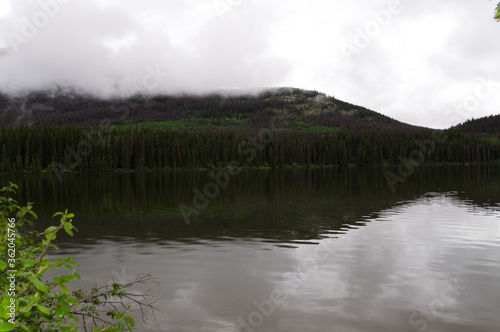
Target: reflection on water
<point x="335" y="249"/>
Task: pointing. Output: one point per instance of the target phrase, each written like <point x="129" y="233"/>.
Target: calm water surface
<point x="336" y="250"/>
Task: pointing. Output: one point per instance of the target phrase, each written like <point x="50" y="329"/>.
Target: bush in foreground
<point x="31" y="303"/>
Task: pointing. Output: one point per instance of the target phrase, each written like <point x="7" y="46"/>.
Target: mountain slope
<point x="486" y="125"/>
<point x="304" y="111"/>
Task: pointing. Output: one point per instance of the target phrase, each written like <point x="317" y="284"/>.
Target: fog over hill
<point x="310" y="110"/>
<point x="412" y="61"/>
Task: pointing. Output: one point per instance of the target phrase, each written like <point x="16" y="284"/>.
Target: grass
<point x="194" y="123"/>
<point x="492" y="140"/>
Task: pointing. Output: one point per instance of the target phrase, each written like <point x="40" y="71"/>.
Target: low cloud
<point x="426" y="59"/>
<point x="106" y="49"/>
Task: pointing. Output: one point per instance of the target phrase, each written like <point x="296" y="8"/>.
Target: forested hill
<point x="486" y="125"/>
<point x="55" y="132"/>
<point x="308" y="111"/>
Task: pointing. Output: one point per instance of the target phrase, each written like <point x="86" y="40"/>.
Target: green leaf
<point x="6" y="326"/>
<point x="40" y="285"/>
<point x="33" y="214"/>
<point x="50" y="229"/>
<point x="68" y="230"/>
<point x="50" y="236"/>
<point x="63" y="309"/>
<point x="70" y="215"/>
<point x="28" y="263"/>
<point x="5" y="302"/>
<point x="20" y="214"/>
<point x="62" y="297"/>
<point x="129" y="321"/>
<point x="3" y="265"/>
<point x="65" y="329"/>
<point x="64" y="288"/>
<point x="43" y="310"/>
<point x="68" y="278"/>
<point x="49" y="295"/>
<point x="73" y="301"/>
<point x="45" y="262"/>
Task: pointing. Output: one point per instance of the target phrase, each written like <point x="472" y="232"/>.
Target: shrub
<point x="31" y="303"/>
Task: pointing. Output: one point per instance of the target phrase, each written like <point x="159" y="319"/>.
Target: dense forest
<point x="487" y="125"/>
<point x="88" y="149"/>
<point x="281" y="128"/>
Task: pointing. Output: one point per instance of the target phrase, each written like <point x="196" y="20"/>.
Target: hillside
<point x="304" y="110"/>
<point x="486" y="125"/>
<point x="222" y="130"/>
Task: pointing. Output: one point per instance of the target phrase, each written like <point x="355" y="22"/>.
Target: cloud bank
<point x="413" y="61"/>
<point x="112" y="47"/>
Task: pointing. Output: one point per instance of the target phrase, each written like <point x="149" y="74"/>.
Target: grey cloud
<point x="70" y="50"/>
<point x="420" y="64"/>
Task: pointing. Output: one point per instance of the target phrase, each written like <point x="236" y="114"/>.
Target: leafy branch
<point x="31" y="303"/>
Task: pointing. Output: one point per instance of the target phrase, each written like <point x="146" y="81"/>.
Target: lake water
<point x="294" y="250"/>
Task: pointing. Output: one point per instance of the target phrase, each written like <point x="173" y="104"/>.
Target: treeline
<point x="71" y="148"/>
<point x="488" y="124"/>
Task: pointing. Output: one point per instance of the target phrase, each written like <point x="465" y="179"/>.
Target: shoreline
<point x="285" y="167"/>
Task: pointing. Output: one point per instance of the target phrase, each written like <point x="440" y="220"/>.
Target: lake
<point x="290" y="250"/>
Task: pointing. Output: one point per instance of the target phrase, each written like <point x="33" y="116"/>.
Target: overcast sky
<point x="430" y="63"/>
